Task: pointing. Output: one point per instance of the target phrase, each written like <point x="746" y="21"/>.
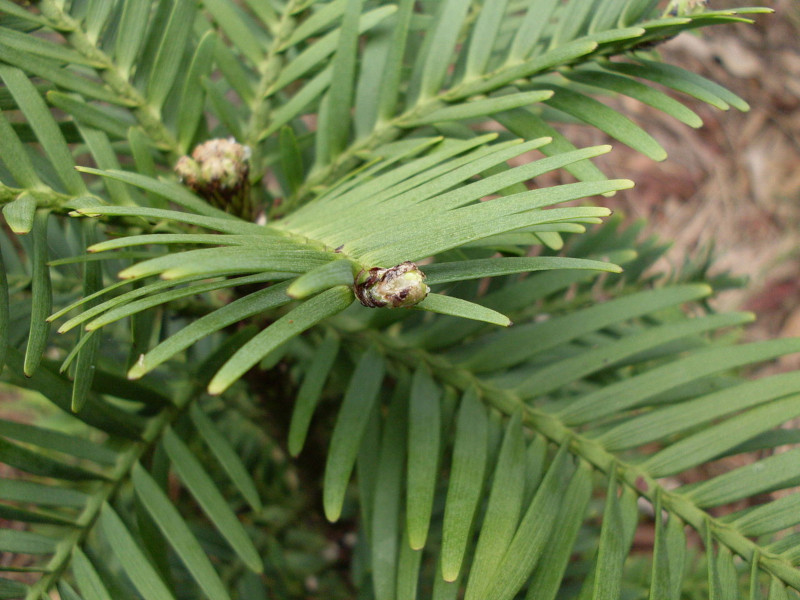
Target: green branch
<point x="270" y="69"/>
<point x="147" y="115"/>
<point x="390" y="130"/>
<point x="88" y="518"/>
<point x="552" y="428"/>
<point x="45" y="197"/>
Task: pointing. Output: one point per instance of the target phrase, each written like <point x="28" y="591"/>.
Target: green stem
<point x="389" y="130"/>
<point x="508" y="402"/>
<point x="384" y="132"/>
<point x="261" y="107"/>
<point x="270" y="69"/>
<point x="88" y="517"/>
<point x="45" y="198"/>
<point x="149" y="117"/>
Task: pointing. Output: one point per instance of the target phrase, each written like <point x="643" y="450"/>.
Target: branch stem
<point x="270" y="69"/>
<point x="509" y="403"/>
<point x="148" y="116"/>
<point x="86" y="521"/>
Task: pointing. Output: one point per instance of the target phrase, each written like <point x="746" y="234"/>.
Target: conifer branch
<point x="147" y="115"/>
<point x="638" y="480"/>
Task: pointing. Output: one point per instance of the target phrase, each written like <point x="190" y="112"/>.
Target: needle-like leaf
<point x="350" y="425"/>
<point x="42" y="296"/>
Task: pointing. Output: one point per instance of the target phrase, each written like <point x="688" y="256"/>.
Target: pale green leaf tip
<point x="296" y="292"/>
<point x="416" y="542"/>
<point x="333" y="510"/>
<point x="659" y="155"/>
<point x="137" y="370"/>
<point x="450" y="572"/>
<point x="216" y="387"/>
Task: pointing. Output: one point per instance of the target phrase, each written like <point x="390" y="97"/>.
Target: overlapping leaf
<point x="669" y="392"/>
<point x="475" y="472"/>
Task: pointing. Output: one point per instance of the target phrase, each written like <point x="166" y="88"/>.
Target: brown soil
<point x="735" y="182"/>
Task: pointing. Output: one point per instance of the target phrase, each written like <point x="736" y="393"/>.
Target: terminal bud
<point x="397" y="287"/>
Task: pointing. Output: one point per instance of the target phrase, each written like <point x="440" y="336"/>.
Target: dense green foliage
<point x="439" y="453"/>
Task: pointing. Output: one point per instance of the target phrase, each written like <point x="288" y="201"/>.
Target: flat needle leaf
<point x="42" y="296"/>
<point x="311" y="312"/>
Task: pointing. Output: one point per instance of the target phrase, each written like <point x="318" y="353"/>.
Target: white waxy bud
<point x="398" y="287"/>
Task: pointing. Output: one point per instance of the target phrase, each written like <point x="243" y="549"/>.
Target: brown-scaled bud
<point x="398" y="287"/>
<point x="218" y="171"/>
